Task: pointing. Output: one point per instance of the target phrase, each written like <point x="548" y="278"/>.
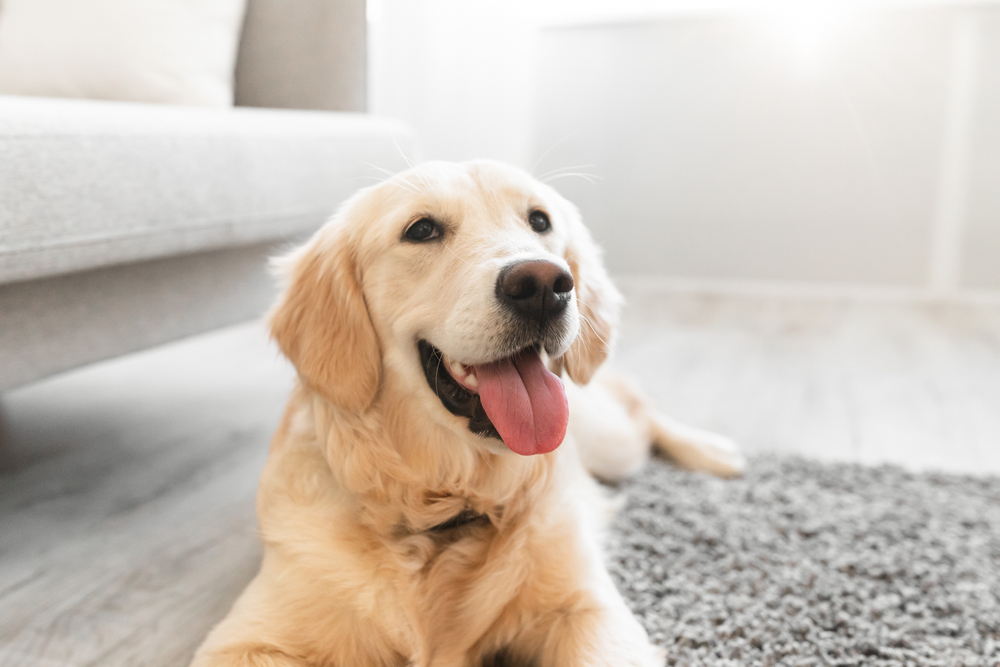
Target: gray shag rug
<point x="803" y="563"/>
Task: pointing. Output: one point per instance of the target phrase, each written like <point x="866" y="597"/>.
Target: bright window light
<point x="810" y="31"/>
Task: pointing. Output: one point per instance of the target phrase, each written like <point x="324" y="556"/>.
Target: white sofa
<point x="127" y="225"/>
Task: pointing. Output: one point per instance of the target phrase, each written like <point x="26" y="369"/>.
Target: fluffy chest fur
<point x="345" y="506"/>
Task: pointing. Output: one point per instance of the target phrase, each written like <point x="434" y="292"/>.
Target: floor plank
<point x="126" y="501"/>
<point x="872" y="381"/>
<point x="126" y="488"/>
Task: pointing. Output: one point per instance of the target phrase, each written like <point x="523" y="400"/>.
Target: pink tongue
<point x="526" y="403"/>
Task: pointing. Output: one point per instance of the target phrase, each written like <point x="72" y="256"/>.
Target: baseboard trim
<point x="639" y="284"/>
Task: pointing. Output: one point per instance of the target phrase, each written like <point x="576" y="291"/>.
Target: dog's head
<point x="459" y="287"/>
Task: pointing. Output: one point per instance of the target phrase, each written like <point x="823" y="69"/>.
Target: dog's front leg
<point x="568" y="612"/>
<point x="248" y="655"/>
<point x="297" y="623"/>
<point x="601" y="634"/>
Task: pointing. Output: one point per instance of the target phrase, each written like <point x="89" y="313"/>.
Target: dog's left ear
<point x="322" y="325"/>
<point x="598" y="300"/>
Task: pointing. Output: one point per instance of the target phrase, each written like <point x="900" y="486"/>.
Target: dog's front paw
<point x="645" y="656"/>
<point x="635" y="653"/>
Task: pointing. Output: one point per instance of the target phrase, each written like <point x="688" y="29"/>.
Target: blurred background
<point x="846" y="144"/>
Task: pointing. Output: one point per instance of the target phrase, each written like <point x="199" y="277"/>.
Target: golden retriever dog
<point x="428" y="498"/>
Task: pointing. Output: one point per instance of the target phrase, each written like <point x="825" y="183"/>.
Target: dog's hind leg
<point x="614" y="424"/>
<point x="695" y="448"/>
<point x="612" y="443"/>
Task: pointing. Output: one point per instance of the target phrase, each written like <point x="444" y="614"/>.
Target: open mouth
<point x="515" y="399"/>
<point x="456" y="398"/>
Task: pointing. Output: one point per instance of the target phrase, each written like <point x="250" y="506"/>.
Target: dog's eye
<point x="423" y="229"/>
<point x="540" y="221"/>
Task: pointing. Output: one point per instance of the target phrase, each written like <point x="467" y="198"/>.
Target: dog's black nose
<point x="536" y="289"/>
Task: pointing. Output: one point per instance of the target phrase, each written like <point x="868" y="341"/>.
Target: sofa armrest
<point x="303" y="54"/>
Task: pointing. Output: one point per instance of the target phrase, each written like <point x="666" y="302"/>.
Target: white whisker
<point x="590" y="323"/>
<point x="411" y="163"/>
<point x="398" y="148"/>
<point x="415" y="190"/>
<point x="420" y="175"/>
<point x="551" y="148"/>
<point x="586" y="177"/>
<point x="459" y="257"/>
<point x="389" y="172"/>
<point x="437" y="372"/>
<point x="401" y="186"/>
<point x="561" y="169"/>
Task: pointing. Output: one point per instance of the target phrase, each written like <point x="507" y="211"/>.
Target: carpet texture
<point x="802" y="563"/>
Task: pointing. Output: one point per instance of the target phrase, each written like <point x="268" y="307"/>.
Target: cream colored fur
<point x="367" y="459"/>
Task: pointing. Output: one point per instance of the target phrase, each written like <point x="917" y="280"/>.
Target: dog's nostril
<point x="535" y="288"/>
<point x="521" y="287"/>
<point x="563" y="284"/>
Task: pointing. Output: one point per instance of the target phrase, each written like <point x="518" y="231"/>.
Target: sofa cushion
<point x="85" y="184"/>
<point x="307" y="54"/>
<point x="168" y="51"/>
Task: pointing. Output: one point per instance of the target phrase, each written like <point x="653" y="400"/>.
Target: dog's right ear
<point x="321" y="323"/>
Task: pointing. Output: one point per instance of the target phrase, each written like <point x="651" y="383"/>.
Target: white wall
<point x="732" y="140"/>
<point x="980" y="264"/>
<point x="460" y="71"/>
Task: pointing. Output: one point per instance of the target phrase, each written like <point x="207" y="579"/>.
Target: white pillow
<point x="170" y="51"/>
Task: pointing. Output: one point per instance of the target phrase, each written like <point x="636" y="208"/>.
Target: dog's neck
<point x="466" y="517"/>
<point x="404" y="474"/>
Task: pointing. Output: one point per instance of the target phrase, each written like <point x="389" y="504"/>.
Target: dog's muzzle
<point x="514" y="397"/>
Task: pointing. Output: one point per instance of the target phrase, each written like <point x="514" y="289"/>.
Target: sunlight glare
<point x="808" y="28"/>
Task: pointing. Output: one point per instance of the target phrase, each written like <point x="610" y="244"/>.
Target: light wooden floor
<point x="126" y="501"/>
<point x="869" y="381"/>
<point x="126" y="488"/>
